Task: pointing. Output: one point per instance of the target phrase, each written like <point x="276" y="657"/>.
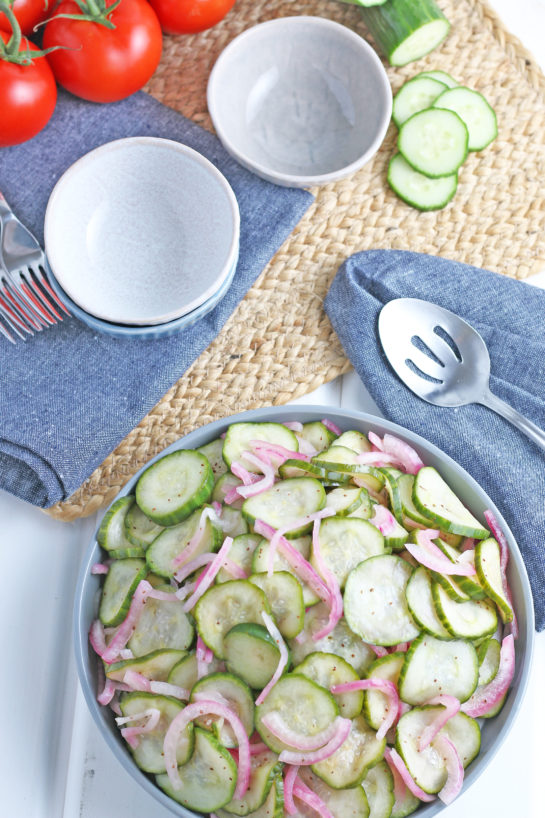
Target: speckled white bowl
<point x="300" y="100"/>
<point x="142" y="231"/>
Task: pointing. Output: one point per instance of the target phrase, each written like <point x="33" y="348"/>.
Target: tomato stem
<point x="16" y="49"/>
<point x="94" y="11"/>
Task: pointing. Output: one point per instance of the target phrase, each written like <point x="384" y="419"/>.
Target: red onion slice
<point x="290" y="774"/>
<point x="451" y="706"/>
<point x="393" y="757"/>
<point x="383" y="519"/>
<point x="455" y="769"/>
<point x="301" y="791"/>
<point x="428" y="554"/>
<point x="384" y="686"/>
<point x="209" y="576"/>
<point x="282" y="662"/>
<point x="99" y="568"/>
<point x="488" y="696"/>
<point x="132" y="734"/>
<point x="309" y="757"/>
<point x="187" y="553"/>
<point x="332" y="426"/>
<point x="276" y="725"/>
<point x="335" y="600"/>
<point x="128" y="625"/>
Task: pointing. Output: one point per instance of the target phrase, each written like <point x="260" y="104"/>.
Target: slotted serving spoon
<point x="442" y="359"/>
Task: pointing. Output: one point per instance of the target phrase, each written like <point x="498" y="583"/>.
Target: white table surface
<point x="54" y="763"/>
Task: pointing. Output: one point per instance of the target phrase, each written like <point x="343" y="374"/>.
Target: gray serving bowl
<point x="494" y="731"/>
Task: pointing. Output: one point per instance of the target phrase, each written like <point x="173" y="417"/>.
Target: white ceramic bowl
<point x="494" y="730"/>
<point x="300" y="101"/>
<point x="141" y="231"/>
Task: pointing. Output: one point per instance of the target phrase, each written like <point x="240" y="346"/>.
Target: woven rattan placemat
<point x="278" y="344"/>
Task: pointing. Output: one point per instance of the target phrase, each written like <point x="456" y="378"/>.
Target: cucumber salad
<point x="297" y="620"/>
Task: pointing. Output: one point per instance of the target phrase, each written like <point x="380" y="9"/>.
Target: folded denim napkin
<point x="70" y="395"/>
<point x="509" y="316"/>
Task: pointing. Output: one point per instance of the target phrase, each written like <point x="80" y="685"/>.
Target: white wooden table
<point x="54" y="763"/>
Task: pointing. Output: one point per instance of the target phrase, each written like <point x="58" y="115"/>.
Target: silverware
<point x="442" y="359"/>
<point x="27" y="301"/>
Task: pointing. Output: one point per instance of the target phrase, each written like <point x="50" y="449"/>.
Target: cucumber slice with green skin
<point x="406" y="30"/>
<point x="346" y="499"/>
<point x="239" y="436"/>
<point x="405" y="484"/>
<point x="442" y="76"/>
<point x="265" y="768"/>
<point x="251" y="653"/>
<point x="474" y="111"/>
<point x="415" y="95"/>
<point x="344" y="543"/>
<point x="139" y="529"/>
<point x="300" y="468"/>
<point x="341" y="803"/>
<point x="162" y="624"/>
<point x="392" y="489"/>
<point x="327" y="669"/>
<point x="365" y="509"/>
<point x="376" y="704"/>
<point x="285" y="503"/>
<point x="148" y="754"/>
<point x="489" y="660"/>
<point x="223" y="486"/>
<point x="488" y="566"/>
<point x="208" y="779"/>
<point x="435" y="499"/>
<point x="405" y="805"/>
<point x="272" y="807"/>
<point x="111" y="532"/>
<point x="226" y="605"/>
<point x="260" y="564"/>
<point x="434" y="145"/>
<point x="307" y="707"/>
<point x="378" y="786"/>
<point x="465" y="620"/>
<point x="354" y="440"/>
<point x="185" y="673"/>
<point x="155" y="665"/>
<point x="433" y="667"/>
<point x="285" y="596"/>
<point x="213" y="452"/>
<point x="417" y="189"/>
<point x="134" y="552"/>
<point x="344" y="461"/>
<point x="452" y="588"/>
<point x="236" y="692"/>
<point x="348" y="766"/>
<point x="317" y="434"/>
<point x="341" y="641"/>
<point x="465" y="734"/>
<point x="242" y="554"/>
<point x="421" y="605"/>
<point x="375" y="606"/>
<point x="119" y="586"/>
<point x="161" y="554"/>
<point x="172" y="487"/>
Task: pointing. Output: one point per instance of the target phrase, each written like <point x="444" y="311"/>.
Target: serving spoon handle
<point x="502" y="408"/>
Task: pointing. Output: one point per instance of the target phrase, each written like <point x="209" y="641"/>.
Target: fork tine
<point x="37" y="303"/>
<point x="12" y="316"/>
<point x="8" y="318"/>
<point x="5" y="333"/>
<point x="20" y="305"/>
<point x="34" y="284"/>
<point x="42" y="280"/>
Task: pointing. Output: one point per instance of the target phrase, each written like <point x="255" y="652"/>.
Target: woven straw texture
<point x="278" y="344"/>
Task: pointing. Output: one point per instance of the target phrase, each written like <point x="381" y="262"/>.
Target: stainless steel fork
<point x="27" y="301"/>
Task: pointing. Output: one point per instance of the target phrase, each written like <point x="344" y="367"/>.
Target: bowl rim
<point x="54" y="251"/>
<point x="266" y="172"/>
<point x="304" y="413"/>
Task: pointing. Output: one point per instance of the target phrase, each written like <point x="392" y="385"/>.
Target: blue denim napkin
<point x="69" y="395"/>
<point x="509" y="316"/>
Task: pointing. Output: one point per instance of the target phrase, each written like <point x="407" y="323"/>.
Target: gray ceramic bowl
<point x="494" y="731"/>
<point x="300" y="101"/>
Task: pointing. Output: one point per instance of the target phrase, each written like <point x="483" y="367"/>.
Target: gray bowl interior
<point x="494" y="732"/>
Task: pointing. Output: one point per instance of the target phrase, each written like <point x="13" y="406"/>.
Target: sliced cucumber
<point x="304" y="705"/>
<point x="465" y="734"/>
<point x="260" y="564"/>
<point x="227" y="688"/>
<point x="185" y="673"/>
<point x="489" y="660"/>
<point x="346" y="541"/>
<point x="466" y="620"/>
<point x="436" y="500"/>
<point x="251" y="653"/>
<point x="139" y="529"/>
<point x="376" y="704"/>
<point x="348" y="765"/>
<point x="111" y="532"/>
<point x="172" y="487"/>
<point x="226" y="605"/>
<point x="272" y="807"/>
<point x="265" y="769"/>
<point x="239" y="436"/>
<point x="233" y="522"/>
<point x="327" y="669"/>
<point x="417" y="189"/>
<point x="317" y="434"/>
<point x="148" y="753"/>
<point x="208" y="779"/>
<point x="421" y="605"/>
<point x="378" y="785"/>
<point x="285" y="596"/>
<point x="155" y="665"/>
<point x="171" y="542"/>
<point x="342" y="460"/>
<point x="433" y="667"/>
<point x="415" y="95"/>
<point x="341" y="803"/>
<point x="442" y="76"/>
<point x="474" y="111"/>
<point x="406" y="30"/>
<point x="300" y="468"/>
<point x="285" y="503"/>
<point x="213" y="452"/>
<point x="119" y="586"/>
<point x="375" y="606"/>
<point x="488" y="566"/>
<point x="434" y="145"/>
<point x="162" y="624"/>
<point x="346" y="499"/>
<point x="354" y="440"/>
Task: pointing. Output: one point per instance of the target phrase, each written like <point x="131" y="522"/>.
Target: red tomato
<point x="28" y="13"/>
<point x="189" y="16"/>
<point x="28" y="94"/>
<point x="104" y="64"/>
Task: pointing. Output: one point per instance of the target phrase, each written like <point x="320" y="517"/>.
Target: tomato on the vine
<point x="190" y="16"/>
<point x="108" y="51"/>
<point x="28" y="92"/>
<point x="28" y="13"/>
